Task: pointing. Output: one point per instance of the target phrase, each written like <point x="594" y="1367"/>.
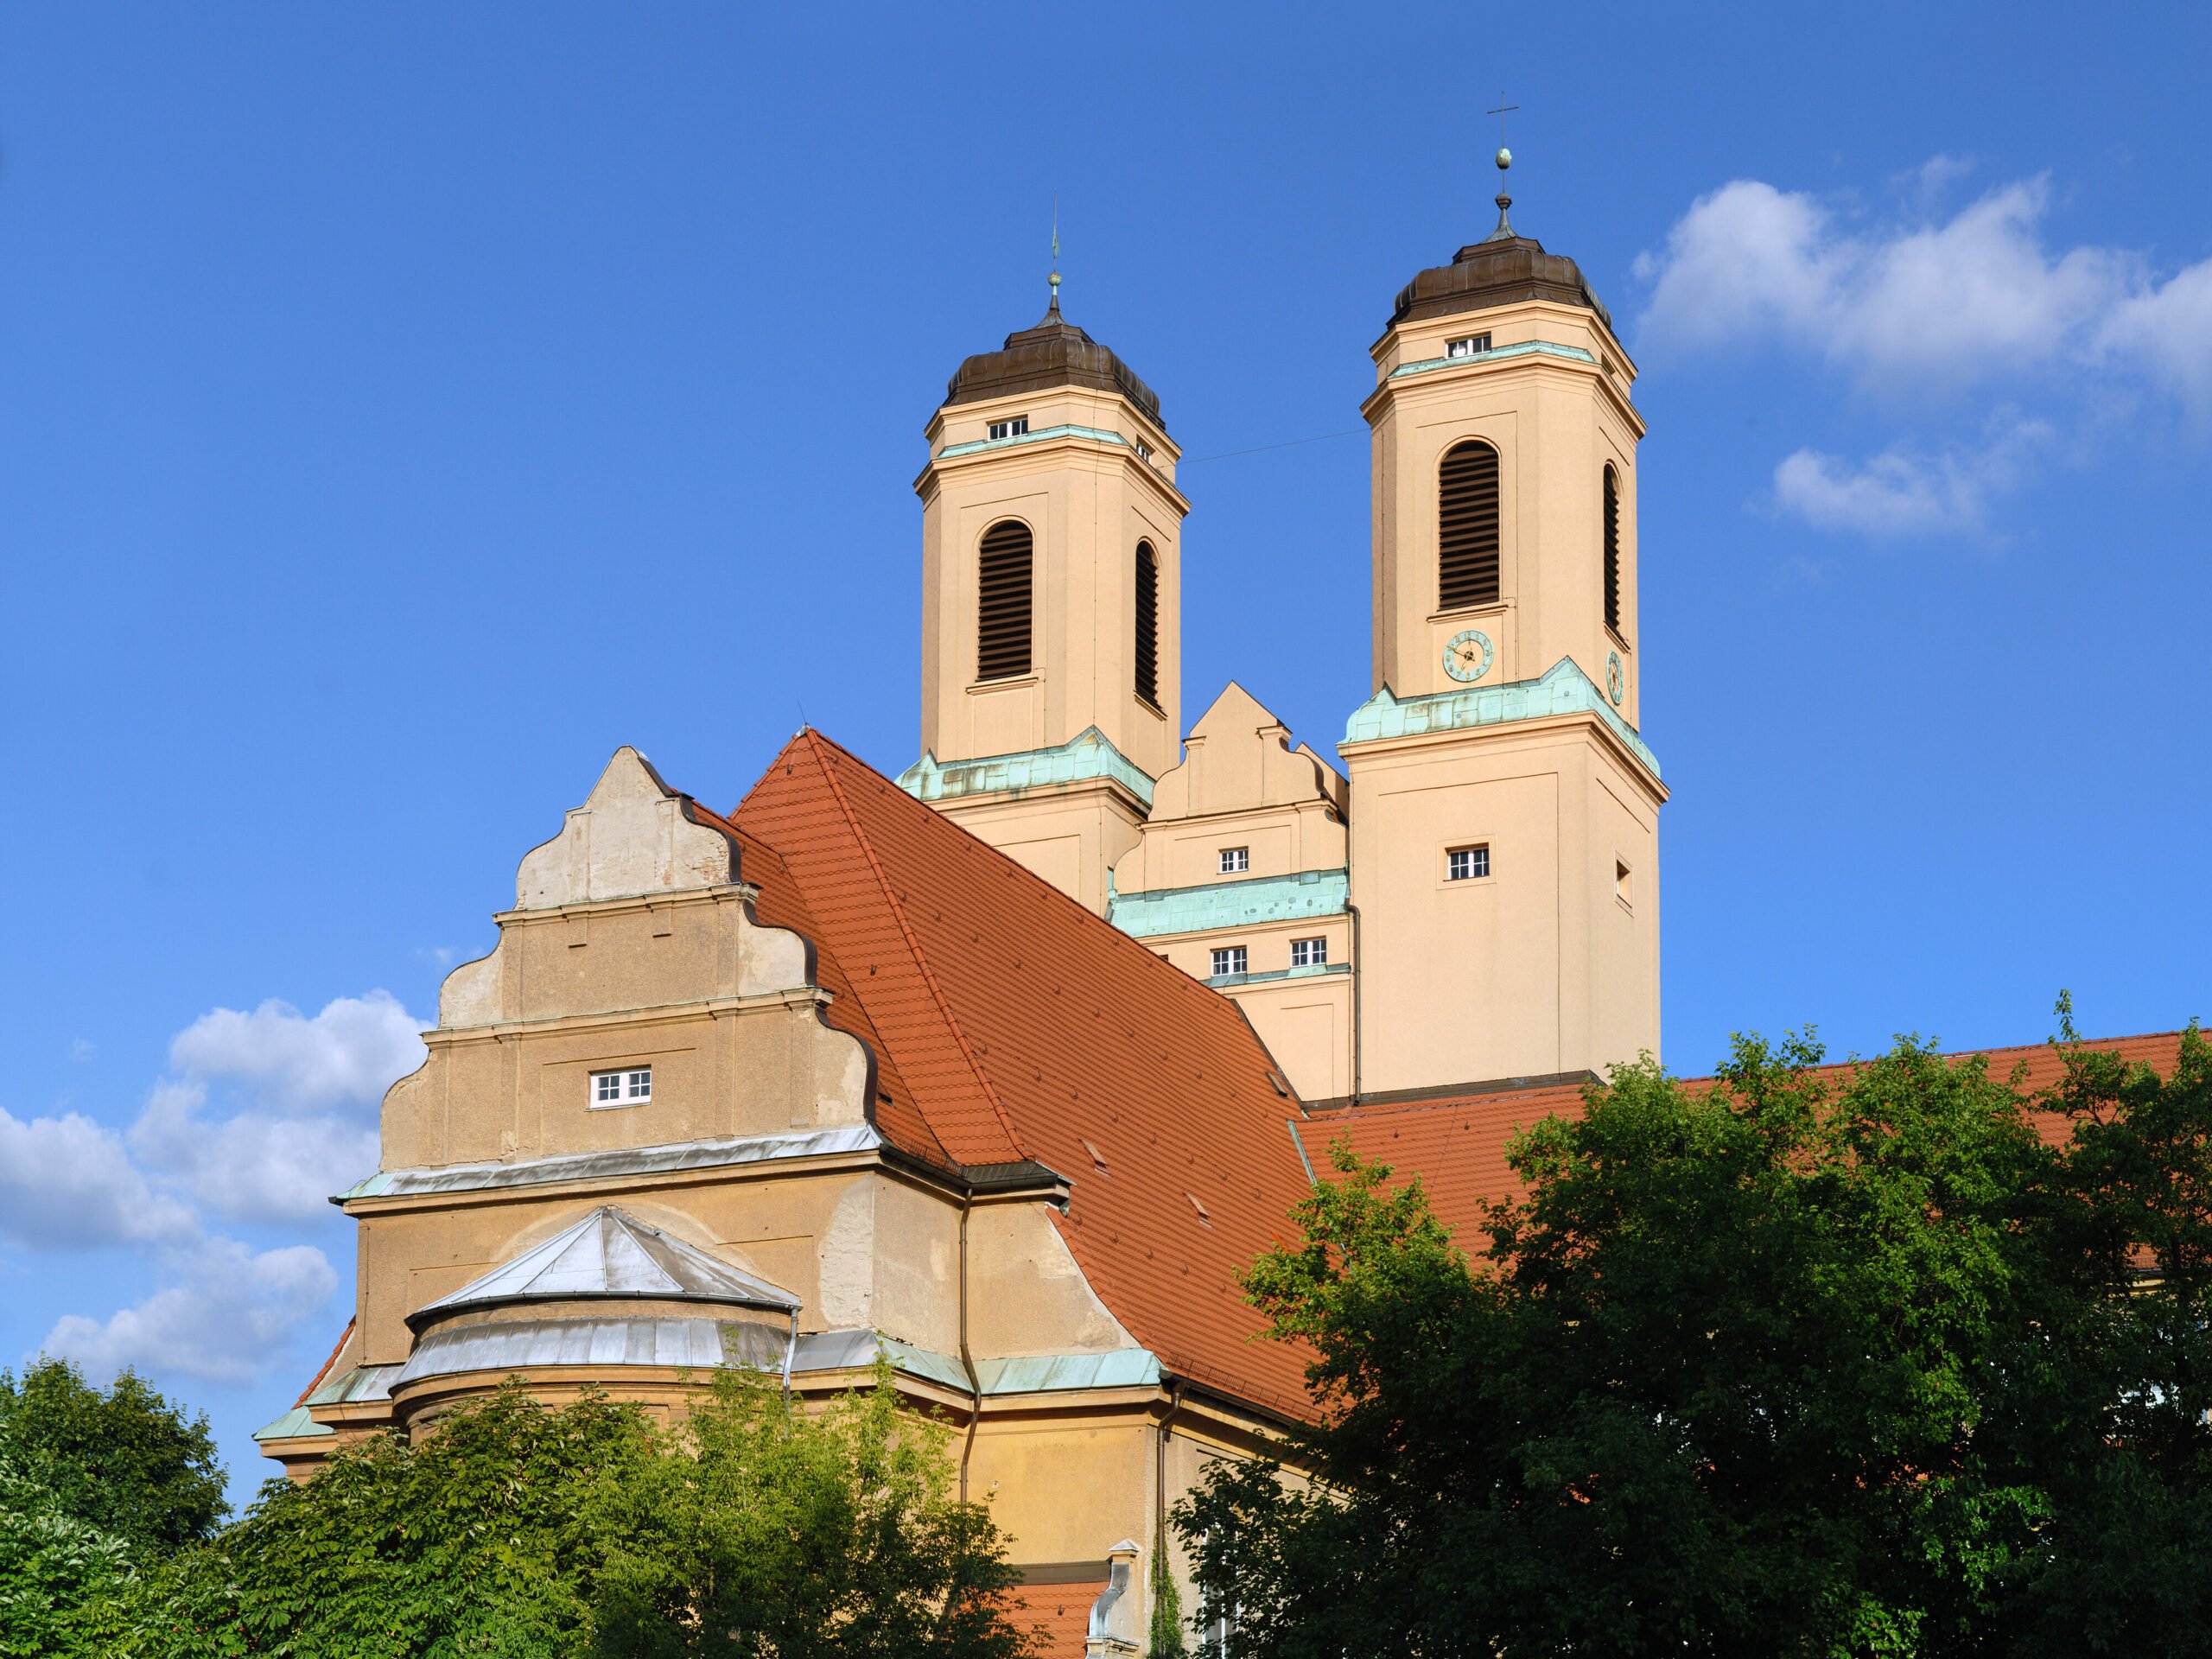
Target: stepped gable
<point x="1456" y="1140"/>
<point x="1029" y="1029"/>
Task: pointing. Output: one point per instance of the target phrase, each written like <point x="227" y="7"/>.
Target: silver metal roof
<point x="617" y="1162"/>
<point x="610" y="1253"/>
<point x="532" y="1344"/>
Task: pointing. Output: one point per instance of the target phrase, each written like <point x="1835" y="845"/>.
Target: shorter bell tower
<point x="1052" y="604"/>
<point x="1504" y="839"/>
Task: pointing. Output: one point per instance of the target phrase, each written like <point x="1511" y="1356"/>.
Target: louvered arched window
<point x="1002" y="601"/>
<point x="1147" y="650"/>
<point x="1613" y="551"/>
<point x="1466" y="527"/>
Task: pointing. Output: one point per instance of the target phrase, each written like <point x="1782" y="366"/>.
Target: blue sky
<point x="402" y="406"/>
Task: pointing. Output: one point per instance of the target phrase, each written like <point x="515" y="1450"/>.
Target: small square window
<point x="1013" y="429"/>
<point x="1144" y="450"/>
<point x="1309" y="953"/>
<point x="1234" y="860"/>
<point x="630" y="1087"/>
<point x="1467" y="863"/>
<point x="1623" y="890"/>
<point x="1472" y="346"/>
<point x="1229" y="960"/>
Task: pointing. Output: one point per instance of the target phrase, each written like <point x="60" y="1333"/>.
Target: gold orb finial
<point x="1505" y="158"/>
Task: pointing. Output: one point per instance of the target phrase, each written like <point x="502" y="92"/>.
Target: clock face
<point x="1616" y="677"/>
<point x="1466" y="655"/>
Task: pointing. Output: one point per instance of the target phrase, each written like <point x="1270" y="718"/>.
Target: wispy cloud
<point x="68" y="1182"/>
<point x="264" y="1114"/>
<point x="232" y="1312"/>
<point x="1907" y="493"/>
<point x="1922" y="314"/>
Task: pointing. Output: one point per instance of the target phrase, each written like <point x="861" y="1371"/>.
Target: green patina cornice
<point x="1290" y="898"/>
<point x="1082" y="758"/>
<point x="1311" y="970"/>
<point x="1564" y="689"/>
<point x="1096" y="434"/>
<point x="1519" y="348"/>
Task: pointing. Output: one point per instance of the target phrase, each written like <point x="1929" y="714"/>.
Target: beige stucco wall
<point x="1556" y="424"/>
<point x="1537" y="969"/>
<point x="1088" y="502"/>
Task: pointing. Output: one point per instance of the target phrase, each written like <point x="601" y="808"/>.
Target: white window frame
<point x="1236" y="861"/>
<point x="1472" y="346"/>
<point x="1477" y="854"/>
<point x="1309" y="953"/>
<point x="1015" y="426"/>
<point x="620" y="1086"/>
<point x="1230" y="959"/>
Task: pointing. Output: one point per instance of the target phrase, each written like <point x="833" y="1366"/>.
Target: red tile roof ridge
<point x="816" y="744"/>
<point x="323" y="1369"/>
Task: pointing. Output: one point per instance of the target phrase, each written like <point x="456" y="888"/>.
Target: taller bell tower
<point x="1504" y="835"/>
<point x="1052" y="604"/>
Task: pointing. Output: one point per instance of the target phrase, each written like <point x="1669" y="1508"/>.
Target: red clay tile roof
<point x="1062" y="1611"/>
<point x="1456" y="1143"/>
<point x="1021" y="1026"/>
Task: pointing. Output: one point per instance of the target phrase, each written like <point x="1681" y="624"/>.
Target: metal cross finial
<point x="1503" y="109"/>
<point x="1504" y="231"/>
<point x="1054" y="279"/>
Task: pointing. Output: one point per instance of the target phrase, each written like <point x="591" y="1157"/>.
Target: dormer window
<point x="1009" y="428"/>
<point x="1472" y="346"/>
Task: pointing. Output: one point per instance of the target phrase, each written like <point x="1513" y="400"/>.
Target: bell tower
<point x="1052" y="604"/>
<point x="1504" y="844"/>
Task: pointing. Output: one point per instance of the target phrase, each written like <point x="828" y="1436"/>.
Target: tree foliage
<point x="123" y="1459"/>
<point x="514" y="1531"/>
<point x="1804" y="1363"/>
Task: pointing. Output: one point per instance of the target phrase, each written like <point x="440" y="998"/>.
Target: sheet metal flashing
<point x="294" y="1424"/>
<point x="622" y="1162"/>
<point x="1299" y="896"/>
<point x="1096" y="434"/>
<point x="1311" y="970"/>
<point x="1089" y="754"/>
<point x="611" y="1253"/>
<point x="1564" y="689"/>
<point x="1520" y="348"/>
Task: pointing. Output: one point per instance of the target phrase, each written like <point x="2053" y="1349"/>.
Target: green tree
<point x="1798" y="1364"/>
<point x="519" y="1532"/>
<point x="829" y="1537"/>
<point x="61" y="1578"/>
<point x="124" y="1460"/>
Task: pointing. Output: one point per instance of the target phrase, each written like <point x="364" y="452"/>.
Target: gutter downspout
<point x="1159" y="1552"/>
<point x="1352" y="911"/>
<point x="966" y="1361"/>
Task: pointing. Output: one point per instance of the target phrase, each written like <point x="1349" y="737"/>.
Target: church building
<point x="1003" y="1070"/>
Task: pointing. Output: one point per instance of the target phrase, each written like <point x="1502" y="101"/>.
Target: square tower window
<point x="1230" y="960"/>
<point x="1234" y="860"/>
<point x="631" y="1086"/>
<point x="1309" y="953"/>
<point x="1472" y="346"/>
<point x="1009" y="428"/>
<point x="1467" y="863"/>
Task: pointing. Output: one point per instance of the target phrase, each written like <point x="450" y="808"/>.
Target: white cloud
<point x="1903" y="492"/>
<point x="228" y="1321"/>
<point x="68" y="1183"/>
<point x="346" y="1056"/>
<point x="253" y="1166"/>
<point x="1936" y="305"/>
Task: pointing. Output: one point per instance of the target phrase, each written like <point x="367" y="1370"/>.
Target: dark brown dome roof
<point x="1053" y="354"/>
<point x="1498" y="272"/>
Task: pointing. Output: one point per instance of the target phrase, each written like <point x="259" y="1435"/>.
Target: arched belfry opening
<point x="1466" y="527"/>
<point x="1004" y="589"/>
